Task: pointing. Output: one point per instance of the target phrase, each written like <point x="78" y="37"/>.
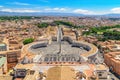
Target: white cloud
<point x="59" y="9"/>
<point x="29" y="10"/>
<point x="63" y="9"/>
<point x="82" y="11"/>
<point x="115" y="10"/>
<point x="20" y="10"/>
<point x="19" y="3"/>
<point x="55" y="9"/>
<point x="1" y="6"/>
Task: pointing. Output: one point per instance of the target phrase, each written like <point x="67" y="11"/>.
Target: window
<point x="100" y="74"/>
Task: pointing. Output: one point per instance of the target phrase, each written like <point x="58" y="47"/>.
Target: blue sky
<point x="64" y="6"/>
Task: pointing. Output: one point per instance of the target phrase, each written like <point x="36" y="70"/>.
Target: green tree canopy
<point x="28" y="40"/>
<point x="42" y="25"/>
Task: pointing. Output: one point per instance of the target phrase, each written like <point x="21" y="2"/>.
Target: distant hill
<point x="113" y="15"/>
<point x="38" y="14"/>
<point x="54" y="14"/>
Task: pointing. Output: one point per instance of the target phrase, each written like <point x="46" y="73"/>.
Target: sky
<point x="61" y="6"/>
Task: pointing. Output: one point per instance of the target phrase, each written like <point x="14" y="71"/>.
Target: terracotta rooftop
<point x="101" y="67"/>
<point x="88" y="73"/>
<point x="24" y="66"/>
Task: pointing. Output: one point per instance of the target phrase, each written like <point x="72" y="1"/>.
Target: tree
<point x="28" y="40"/>
<point x="42" y="25"/>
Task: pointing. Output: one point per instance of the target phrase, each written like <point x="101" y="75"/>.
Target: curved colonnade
<point x="89" y="55"/>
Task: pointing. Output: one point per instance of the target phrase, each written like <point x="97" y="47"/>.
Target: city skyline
<point x="94" y="7"/>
